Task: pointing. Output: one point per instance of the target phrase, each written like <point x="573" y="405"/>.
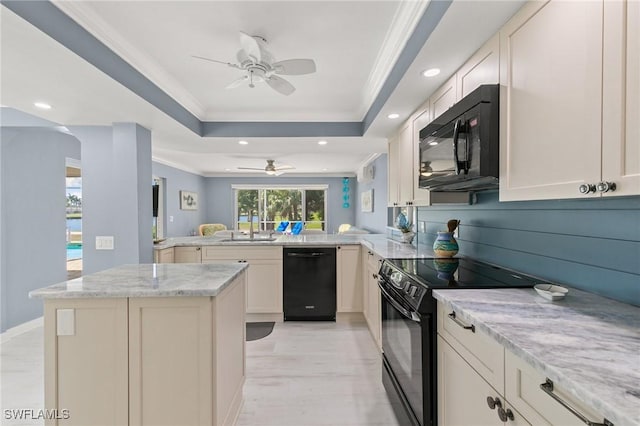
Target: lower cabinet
<point x="348" y="281"/>
<point x="371" y="295"/>
<point x="146" y="361"/>
<point x="264" y="282"/>
<point x="482" y="383"/>
<point x="187" y="255"/>
<point x="164" y="255"/>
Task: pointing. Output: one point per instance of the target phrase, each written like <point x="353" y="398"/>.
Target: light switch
<point x="65" y="322"/>
<point x="170" y="218"/>
<point x="104" y="243"/>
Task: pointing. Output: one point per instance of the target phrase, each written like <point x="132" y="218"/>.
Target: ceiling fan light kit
<point x="258" y="66"/>
<point x="270" y="168"/>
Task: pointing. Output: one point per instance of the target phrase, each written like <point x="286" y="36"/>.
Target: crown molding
<point x="94" y="24"/>
<point x="400" y="30"/>
<point x="370" y="159"/>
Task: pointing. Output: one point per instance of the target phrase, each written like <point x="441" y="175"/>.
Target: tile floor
<point x="302" y="374"/>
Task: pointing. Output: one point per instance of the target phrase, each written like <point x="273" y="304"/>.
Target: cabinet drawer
<point x="244" y="252"/>
<point x="484" y="354"/>
<point x="522" y="390"/>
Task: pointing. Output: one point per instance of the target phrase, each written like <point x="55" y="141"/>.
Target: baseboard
<point x="21" y="328"/>
<point x="264" y="317"/>
<point x="350" y="317"/>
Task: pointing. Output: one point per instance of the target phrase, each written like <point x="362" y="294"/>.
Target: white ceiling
<point x="354" y="43"/>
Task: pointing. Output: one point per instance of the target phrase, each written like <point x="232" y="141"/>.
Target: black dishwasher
<point x="309" y="288"/>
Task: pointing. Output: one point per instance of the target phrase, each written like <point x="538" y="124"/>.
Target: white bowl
<point x="550" y="291"/>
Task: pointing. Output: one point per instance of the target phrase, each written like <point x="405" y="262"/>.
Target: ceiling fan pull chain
<point x="251" y="77"/>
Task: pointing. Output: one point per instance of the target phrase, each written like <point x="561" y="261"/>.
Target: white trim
<point x="73" y="162"/>
<point x="401" y="28"/>
<point x="370" y="159"/>
<point x="289" y="186"/>
<point x="21" y="329"/>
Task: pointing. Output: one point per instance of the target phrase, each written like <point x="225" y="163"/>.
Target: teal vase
<point x="445" y="245"/>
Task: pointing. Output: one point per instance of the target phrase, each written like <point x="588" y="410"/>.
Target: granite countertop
<point x="147" y="280"/>
<point x="588" y="344"/>
<point x="378" y="243"/>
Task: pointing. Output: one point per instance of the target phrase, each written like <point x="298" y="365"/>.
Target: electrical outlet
<point x="104" y="243"/>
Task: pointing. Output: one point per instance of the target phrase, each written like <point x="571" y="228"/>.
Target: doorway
<point x="74" y="221"/>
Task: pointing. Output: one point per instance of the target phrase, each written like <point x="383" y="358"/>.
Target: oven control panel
<point x="405" y="286"/>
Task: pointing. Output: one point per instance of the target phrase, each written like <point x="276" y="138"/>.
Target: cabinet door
<point x="621" y="112"/>
<point x="164" y="255"/>
<point x="264" y="286"/>
<point x="366" y="254"/>
<point x="481" y="68"/>
<point x="86" y="362"/>
<point x="375" y="307"/>
<point x="187" y="255"/>
<point x="393" y="179"/>
<point x="406" y="166"/>
<point x="462" y="393"/>
<point x="420" y="195"/>
<point x="551" y="100"/>
<point x="348" y="281"/>
<point x="443" y="98"/>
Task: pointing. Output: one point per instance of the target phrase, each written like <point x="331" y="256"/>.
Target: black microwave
<point x="459" y="150"/>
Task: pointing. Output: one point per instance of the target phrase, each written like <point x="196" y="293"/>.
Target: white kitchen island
<point x="146" y="345"/>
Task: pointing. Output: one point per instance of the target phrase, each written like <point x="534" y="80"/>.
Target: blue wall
<point x="376" y="221"/>
<point x="593" y="245"/>
<point x="219" y="197"/>
<point x="184" y="221"/>
<point x="33" y="243"/>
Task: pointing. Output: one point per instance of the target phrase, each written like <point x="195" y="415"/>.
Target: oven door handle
<point x="409" y="315"/>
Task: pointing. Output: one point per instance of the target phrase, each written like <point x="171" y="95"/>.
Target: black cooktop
<point x="461" y="273"/>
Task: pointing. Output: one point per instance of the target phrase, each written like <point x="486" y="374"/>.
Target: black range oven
<point x="409" y="371"/>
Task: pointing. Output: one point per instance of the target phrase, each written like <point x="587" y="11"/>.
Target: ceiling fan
<point x="270" y="169"/>
<point x="258" y="65"/>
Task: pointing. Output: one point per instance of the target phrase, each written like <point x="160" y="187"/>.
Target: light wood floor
<point x="302" y="374"/>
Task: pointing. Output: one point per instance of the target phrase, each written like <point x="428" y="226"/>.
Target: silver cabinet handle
<point x="547" y="387"/>
<point x="606" y="186"/>
<point x="587" y="188"/>
<point x="505" y="415"/>
<point x="455" y="319"/>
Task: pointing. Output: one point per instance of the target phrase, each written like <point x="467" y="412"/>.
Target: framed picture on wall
<point x="366" y="201"/>
<point x="188" y="200"/>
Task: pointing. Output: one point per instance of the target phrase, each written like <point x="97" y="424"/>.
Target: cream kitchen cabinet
<point x="371" y="295"/>
<point x="568" y="123"/>
<point x="164" y="255"/>
<point x="348" y="280"/>
<point x="187" y="255"/>
<point x="421" y="197"/>
<point x="400" y="160"/>
<point x="483" y="67"/>
<point x="264" y="281"/>
<point x="444" y="98"/>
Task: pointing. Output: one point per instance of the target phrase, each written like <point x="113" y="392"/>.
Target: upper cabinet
<point x="482" y="68"/>
<point x="560" y="136"/>
<point x="444" y="98"/>
<point x="400" y="180"/>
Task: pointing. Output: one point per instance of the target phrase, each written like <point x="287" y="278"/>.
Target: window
<point x="268" y="206"/>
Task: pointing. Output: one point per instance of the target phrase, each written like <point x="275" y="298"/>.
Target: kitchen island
<point x="146" y="345"/>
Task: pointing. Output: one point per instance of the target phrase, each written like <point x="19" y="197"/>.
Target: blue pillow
<point x="283" y="226"/>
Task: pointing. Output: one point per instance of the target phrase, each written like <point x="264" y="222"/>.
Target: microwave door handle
<point x="456" y="133"/>
<point x="467" y="161"/>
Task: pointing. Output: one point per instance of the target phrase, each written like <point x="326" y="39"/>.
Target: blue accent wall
<point x="375" y="221"/>
<point x="593" y="245"/>
<point x="219" y="197"/>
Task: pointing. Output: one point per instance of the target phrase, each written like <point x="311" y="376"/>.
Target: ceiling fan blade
<point x="295" y="66"/>
<point x="250" y="46"/>
<point x="277" y="173"/>
<point x="279" y="168"/>
<point x="250" y="168"/>
<point x="237" y="82"/>
<point x="280" y="85"/>
<point x="242" y="56"/>
<point x="212" y="60"/>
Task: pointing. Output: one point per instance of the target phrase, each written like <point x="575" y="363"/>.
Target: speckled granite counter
<point x="588" y="344"/>
<point x="378" y="243"/>
<point x="147" y="280"/>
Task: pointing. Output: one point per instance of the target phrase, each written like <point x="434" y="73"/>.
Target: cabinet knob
<point x="505" y="415"/>
<point x="494" y="402"/>
<point x="197" y="248"/>
<point x="606" y="186"/>
<point x="586" y="188"/>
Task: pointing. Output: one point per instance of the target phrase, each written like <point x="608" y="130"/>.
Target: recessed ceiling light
<point x="243" y="142"/>
<point x="431" y="72"/>
<point x="227" y="170"/>
<point x="322" y="142"/>
<point x="393" y="116"/>
<point x="324" y="170"/>
<point x="42" y="105"/>
<point x="433" y="143"/>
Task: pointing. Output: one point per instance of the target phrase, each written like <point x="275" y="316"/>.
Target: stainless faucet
<point x="251" y="225"/>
